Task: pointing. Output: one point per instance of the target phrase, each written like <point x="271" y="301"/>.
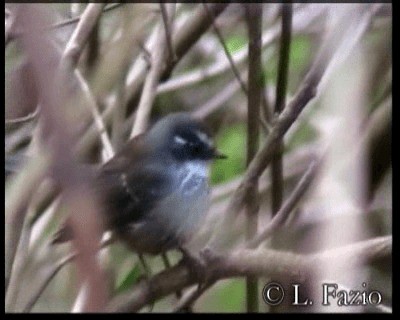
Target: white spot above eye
<point x="204" y="138"/>
<point x="180" y="140"/>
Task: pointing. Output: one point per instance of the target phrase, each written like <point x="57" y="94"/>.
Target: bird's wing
<point x="130" y="194"/>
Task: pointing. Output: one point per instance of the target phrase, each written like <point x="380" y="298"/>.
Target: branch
<point x="243" y="262"/>
<point x="280" y="217"/>
<point x="81" y="34"/>
<point x="47" y="279"/>
<point x="14" y="35"/>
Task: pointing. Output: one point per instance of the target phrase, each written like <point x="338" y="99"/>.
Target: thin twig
<point x="183" y="39"/>
<point x="235" y="69"/>
<point x="218" y="100"/>
<point x="188" y="300"/>
<point x="19" y="267"/>
<point x="54" y="271"/>
<point x="253" y="19"/>
<point x="98" y="120"/>
<point x="301" y="22"/>
<point x="227" y="53"/>
<point x="167" y="19"/>
<point x="26" y="118"/>
<point x="281" y="216"/>
<point x="47" y="279"/>
<point x="17" y="196"/>
<point x="158" y="60"/>
<point x="281" y="89"/>
<point x="64" y="23"/>
<point x="81" y="34"/>
<point x="70" y="57"/>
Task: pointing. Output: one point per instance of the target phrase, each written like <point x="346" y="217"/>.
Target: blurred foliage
<point x="129" y="279"/>
<point x="228" y="296"/>
<point x="235" y="43"/>
<point x="304" y="134"/>
<point x="232" y="142"/>
<point x="300" y="58"/>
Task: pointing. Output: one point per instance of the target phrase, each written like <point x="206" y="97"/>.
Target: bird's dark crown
<point x="184" y="137"/>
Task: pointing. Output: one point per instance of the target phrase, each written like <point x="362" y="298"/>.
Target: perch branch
<point x="243" y="262"/>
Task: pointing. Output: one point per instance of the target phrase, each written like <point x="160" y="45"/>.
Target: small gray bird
<point x="155" y="190"/>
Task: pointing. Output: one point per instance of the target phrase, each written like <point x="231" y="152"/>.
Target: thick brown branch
<point x="243" y="262"/>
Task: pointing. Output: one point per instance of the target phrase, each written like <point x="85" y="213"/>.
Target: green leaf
<point x="304" y="134"/>
<point x="228" y="297"/>
<point x="131" y="278"/>
<point x="235" y="43"/>
<point x="232" y="142"/>
<point x="300" y="53"/>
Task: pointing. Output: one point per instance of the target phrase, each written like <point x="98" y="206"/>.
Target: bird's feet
<point x="196" y="265"/>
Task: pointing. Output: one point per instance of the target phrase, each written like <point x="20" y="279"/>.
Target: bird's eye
<point x="180" y="140"/>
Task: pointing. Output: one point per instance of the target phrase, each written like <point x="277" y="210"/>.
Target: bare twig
<point x="167" y="19"/>
<point x="188" y="300"/>
<point x="19" y="267"/>
<point x="255" y="85"/>
<point x="183" y="39"/>
<point x="17" y="197"/>
<point x="280" y="217"/>
<point x="158" y="61"/>
<point x="26" y="118"/>
<point x="98" y="120"/>
<point x="81" y="34"/>
<point x="234" y="68"/>
<point x="218" y="100"/>
<point x="227" y="53"/>
<point x="46" y="280"/>
<point x="301" y="22"/>
<point x="64" y="23"/>
<point x="281" y="88"/>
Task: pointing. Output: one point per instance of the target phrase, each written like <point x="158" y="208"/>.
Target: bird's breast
<point x="192" y="178"/>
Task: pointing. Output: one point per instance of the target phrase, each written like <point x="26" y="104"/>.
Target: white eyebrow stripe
<point x="180" y="140"/>
<point x="204" y="137"/>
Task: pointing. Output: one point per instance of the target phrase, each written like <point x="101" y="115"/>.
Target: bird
<point x="155" y="190"/>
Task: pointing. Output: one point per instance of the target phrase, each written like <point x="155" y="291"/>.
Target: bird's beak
<point x="219" y="155"/>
